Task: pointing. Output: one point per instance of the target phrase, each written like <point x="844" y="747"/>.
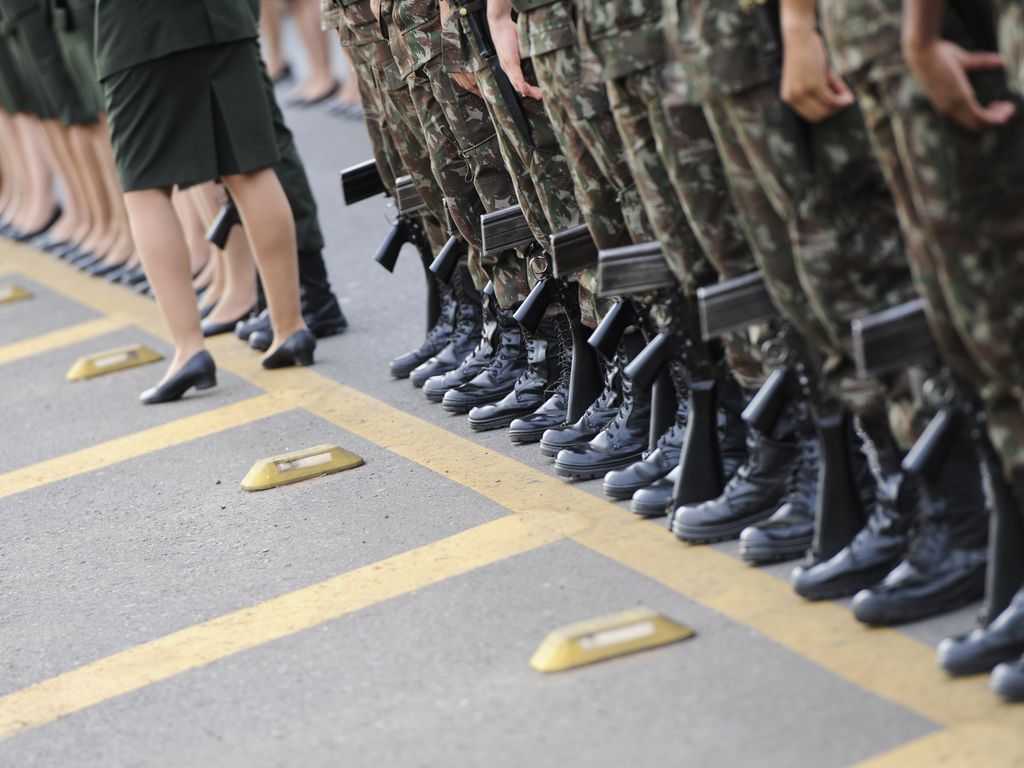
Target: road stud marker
<point x="606" y="637"/>
<point x="111" y="361"/>
<point x="296" y="467"/>
<point x="12" y="293"/>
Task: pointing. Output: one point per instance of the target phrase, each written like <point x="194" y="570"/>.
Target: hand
<point x="375" y="9"/>
<point x="808" y="86"/>
<point x="941" y="69"/>
<point x="505" y="34"/>
<point x="467" y="81"/>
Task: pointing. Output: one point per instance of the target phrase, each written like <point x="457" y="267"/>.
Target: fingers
<point x="980" y="60"/>
<point x="971" y="115"/>
<point x="840" y="91"/>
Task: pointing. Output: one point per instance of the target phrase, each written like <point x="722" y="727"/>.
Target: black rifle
<point x="409" y="200"/>
<point x="892" y="340"/>
<point x="634" y="269"/>
<point x="734" y="305"/>
<point x="573" y="250"/>
<point x="505" y="230"/>
<point x="361" y="182"/>
<point x="226" y="220"/>
<point x="474" y="12"/>
<point x="771" y="30"/>
<point x="448" y="258"/>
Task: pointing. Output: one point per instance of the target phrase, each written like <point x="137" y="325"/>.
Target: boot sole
<point x="723" y="532"/>
<point x="766" y="555"/>
<point x="461" y="408"/>
<point x="495" y="422"/>
<point x="591" y="473"/>
<point x="649" y="510"/>
<point x="964" y="592"/>
<point x="523" y="437"/>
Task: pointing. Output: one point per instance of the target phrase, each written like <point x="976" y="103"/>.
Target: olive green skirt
<point x="14" y="97"/>
<point x="190" y="117"/>
<point x="76" y="34"/>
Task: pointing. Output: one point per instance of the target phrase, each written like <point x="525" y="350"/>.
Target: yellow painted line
<point x="977" y="745"/>
<point x="272" y="620"/>
<point x="140" y="443"/>
<point x="887" y="663"/>
<point x="63" y="337"/>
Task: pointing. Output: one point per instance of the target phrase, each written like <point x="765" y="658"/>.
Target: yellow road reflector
<point x="112" y="360"/>
<point x="12" y="293"/>
<point x="605" y="638"/>
<point x="296" y="467"/>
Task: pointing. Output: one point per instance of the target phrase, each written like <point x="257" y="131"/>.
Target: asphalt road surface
<point x="155" y="614"/>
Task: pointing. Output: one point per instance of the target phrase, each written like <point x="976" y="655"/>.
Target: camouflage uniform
<point x="960" y="217"/>
<point x="845" y="250"/>
<point x="576" y="103"/>
<point x="460" y="138"/>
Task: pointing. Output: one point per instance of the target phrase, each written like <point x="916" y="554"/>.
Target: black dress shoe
<point x="249" y="326"/>
<point x="103" y="269"/>
<point x="296" y="350"/>
<point x="200" y="372"/>
<point x="24" y="237"/>
<point x="499" y="377"/>
<point x="302" y="102"/>
<point x="211" y="328"/>
<point x="984" y="647"/>
<point x="624" y="483"/>
<point x="788" y="533"/>
<point x="327" y="320"/>
<point x="1008" y="680"/>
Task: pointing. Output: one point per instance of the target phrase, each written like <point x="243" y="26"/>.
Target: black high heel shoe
<point x="200" y="372"/>
<point x="297" y="350"/>
<point x="211" y="328"/>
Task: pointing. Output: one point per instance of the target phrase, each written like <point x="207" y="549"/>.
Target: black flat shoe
<point x="211" y="328"/>
<point x="302" y="102"/>
<point x="200" y="372"/>
<point x="297" y="350"/>
<point x="24" y="237"/>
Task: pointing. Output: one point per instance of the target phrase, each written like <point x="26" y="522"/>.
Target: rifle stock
<point x="633" y="269"/>
<point x="361" y="182"/>
<point x="573" y="250"/>
<point x="734" y="305"/>
<point x="891" y="340"/>
<point x="505" y="230"/>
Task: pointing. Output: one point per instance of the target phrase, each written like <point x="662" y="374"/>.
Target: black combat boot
<point x="437" y="338"/>
<point x="464" y="335"/>
<point x="656" y="464"/>
<point x="486" y="342"/>
<point x="552" y="412"/>
<point x="623" y="440"/>
<point x="593" y="420"/>
<point x="945" y="563"/>
<point x="999" y="637"/>
<point x="788" y="533"/>
<point x="656" y="499"/>
<point x="757" y="488"/>
<point x="499" y="377"/>
<point x="1008" y="680"/>
<point x="531" y="388"/>
<point x="882" y="542"/>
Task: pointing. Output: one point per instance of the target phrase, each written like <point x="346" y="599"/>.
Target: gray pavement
<point x="99" y="563"/>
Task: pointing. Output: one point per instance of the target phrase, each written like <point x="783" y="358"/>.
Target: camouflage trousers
<point x="576" y="102"/>
<point x="967" y="191"/>
<point x="462" y="138"/>
<point x="845" y="256"/>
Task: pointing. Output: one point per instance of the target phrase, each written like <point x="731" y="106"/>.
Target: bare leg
<point x="270" y="31"/>
<point x="78" y="226"/>
<point x="38" y="202"/>
<point x="269" y="223"/>
<point x="123" y="247"/>
<point x="238" y="293"/>
<point x="87" y="165"/>
<point x="320" y="79"/>
<point x="161" y="243"/>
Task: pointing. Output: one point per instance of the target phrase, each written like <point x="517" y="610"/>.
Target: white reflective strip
<point x="617" y="635"/>
<point x="308" y="461"/>
<point x="109" y="360"/>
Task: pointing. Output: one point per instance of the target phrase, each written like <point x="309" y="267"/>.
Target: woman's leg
<point x="123" y="248"/>
<point x="268" y="222"/>
<point x="238" y="292"/>
<point x="320" y="80"/>
<point x="161" y="244"/>
<point x="270" y="30"/>
<point x="38" y="202"/>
